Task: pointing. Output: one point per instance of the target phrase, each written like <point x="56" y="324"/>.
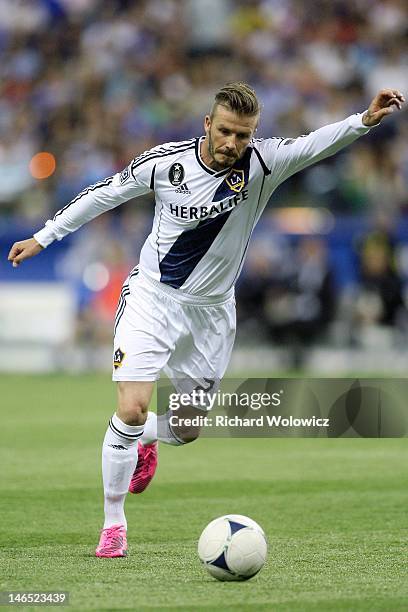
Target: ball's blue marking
<point x="221" y="562"/>
<point x="235" y="526"/>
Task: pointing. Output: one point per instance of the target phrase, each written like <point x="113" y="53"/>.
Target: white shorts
<point x="160" y="328"/>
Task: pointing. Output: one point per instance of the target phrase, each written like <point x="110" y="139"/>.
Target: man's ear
<point x="207" y="123"/>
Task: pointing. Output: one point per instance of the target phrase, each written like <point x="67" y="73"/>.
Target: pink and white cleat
<point x="112" y="542"/>
<point x="146" y="467"/>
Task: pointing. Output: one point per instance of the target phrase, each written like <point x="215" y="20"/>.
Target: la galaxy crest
<point x="236" y="180"/>
<point x="176" y="174"/>
<point x="118" y="358"/>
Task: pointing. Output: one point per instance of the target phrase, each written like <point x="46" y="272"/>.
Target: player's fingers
<point x="15" y="250"/>
<point x="390" y="92"/>
<point x="19" y="258"/>
<point x="398" y="95"/>
<point x="384" y="112"/>
<point x="392" y="95"/>
<point x="394" y="101"/>
<point x="385" y="94"/>
<point x="376" y="117"/>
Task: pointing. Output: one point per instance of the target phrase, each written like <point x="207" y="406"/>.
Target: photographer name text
<point x="260" y="421"/>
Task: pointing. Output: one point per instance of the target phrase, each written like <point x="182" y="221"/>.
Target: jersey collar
<point x="203" y="165"/>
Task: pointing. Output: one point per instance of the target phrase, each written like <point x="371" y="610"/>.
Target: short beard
<point x="217" y="165"/>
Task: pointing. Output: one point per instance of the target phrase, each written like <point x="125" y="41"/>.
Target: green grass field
<point x="335" y="512"/>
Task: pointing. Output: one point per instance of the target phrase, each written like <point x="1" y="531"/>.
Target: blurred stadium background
<point x="91" y="84"/>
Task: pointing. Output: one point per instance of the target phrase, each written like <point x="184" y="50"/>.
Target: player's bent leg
<point x="119" y="460"/>
<point x="184" y="424"/>
<point x="145" y="468"/>
<point x="133" y="402"/>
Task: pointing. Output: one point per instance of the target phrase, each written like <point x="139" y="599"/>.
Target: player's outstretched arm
<point x="294" y="154"/>
<point x="384" y="103"/>
<point x="91" y="202"/>
<point x="24" y="250"/>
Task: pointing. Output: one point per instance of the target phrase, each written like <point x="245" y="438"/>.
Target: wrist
<point x="45" y="236"/>
<point x="364" y="118"/>
<point x="36" y="241"/>
<point x="367" y="119"/>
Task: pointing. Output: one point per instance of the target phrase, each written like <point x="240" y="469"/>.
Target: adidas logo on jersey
<point x="183" y="189"/>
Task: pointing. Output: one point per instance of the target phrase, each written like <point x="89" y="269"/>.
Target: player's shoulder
<point x="266" y="149"/>
<point x="164" y="151"/>
<point x="266" y="143"/>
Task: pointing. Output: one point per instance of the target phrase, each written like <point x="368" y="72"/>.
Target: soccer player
<point x="176" y="311"/>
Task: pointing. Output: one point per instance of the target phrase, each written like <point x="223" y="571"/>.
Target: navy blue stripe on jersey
<point x="156" y="155"/>
<point x="83" y="193"/>
<point x="188" y="250"/>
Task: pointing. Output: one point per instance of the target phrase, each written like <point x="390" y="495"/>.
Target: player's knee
<point x="132" y="414"/>
<point x="132" y="406"/>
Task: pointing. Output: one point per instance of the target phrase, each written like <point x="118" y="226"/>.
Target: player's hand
<point x="384" y="103"/>
<point x="24" y="250"/>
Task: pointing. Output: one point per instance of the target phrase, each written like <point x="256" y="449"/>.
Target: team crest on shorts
<point x="236" y="180"/>
<point x="176" y="174"/>
<point x="118" y="358"/>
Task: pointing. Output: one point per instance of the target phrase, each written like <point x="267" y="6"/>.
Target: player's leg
<point x="119" y="460"/>
<point x="158" y="428"/>
<point x="120" y="446"/>
<point x="133" y="402"/>
<point x="140" y="351"/>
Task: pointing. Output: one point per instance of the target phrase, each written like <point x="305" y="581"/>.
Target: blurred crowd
<point x="96" y="82"/>
<point x="290" y="294"/>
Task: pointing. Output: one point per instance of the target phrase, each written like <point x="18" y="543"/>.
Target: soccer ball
<point x="233" y="547"/>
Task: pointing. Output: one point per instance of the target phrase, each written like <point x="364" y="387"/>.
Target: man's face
<point x="228" y="136"/>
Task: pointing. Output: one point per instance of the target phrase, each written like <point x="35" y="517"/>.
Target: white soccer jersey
<point x="203" y="219"/>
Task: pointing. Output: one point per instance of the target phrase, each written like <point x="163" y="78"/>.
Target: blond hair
<point x="237" y="97"/>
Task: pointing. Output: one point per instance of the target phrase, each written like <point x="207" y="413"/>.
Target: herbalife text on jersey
<point x="193" y="212"/>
